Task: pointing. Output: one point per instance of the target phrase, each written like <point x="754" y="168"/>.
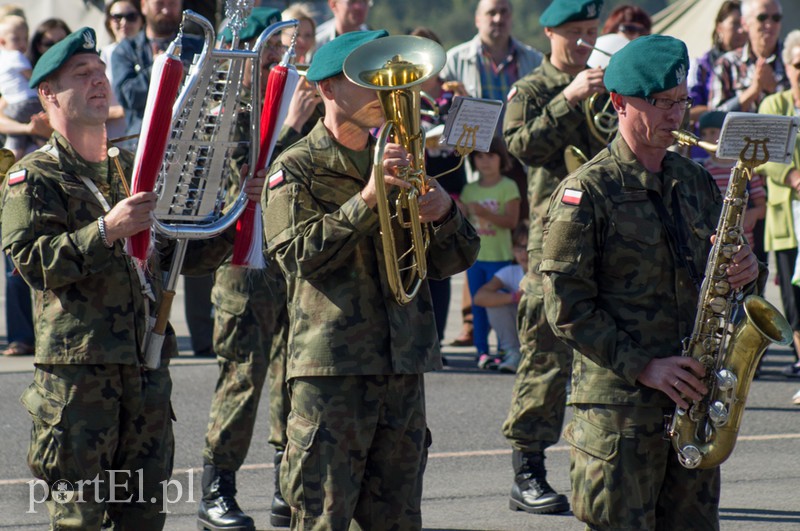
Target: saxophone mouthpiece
<point x="685" y="138"/>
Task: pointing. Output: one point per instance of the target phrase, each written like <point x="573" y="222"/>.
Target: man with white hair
<point x="348" y="15"/>
<point x="743" y="77"/>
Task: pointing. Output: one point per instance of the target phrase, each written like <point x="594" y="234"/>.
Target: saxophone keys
<point x="722" y="287"/>
<point x="717" y="304"/>
<point x="718" y="413"/>
<point x="726" y="380"/>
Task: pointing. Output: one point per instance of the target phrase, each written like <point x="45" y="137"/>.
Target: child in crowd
<point x="21" y="101"/>
<point x="709" y="126"/>
<point x="492" y="205"/>
<point x="500" y="296"/>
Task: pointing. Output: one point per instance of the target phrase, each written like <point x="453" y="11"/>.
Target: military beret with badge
<point x="82" y="41"/>
<point x="329" y="59"/>
<point x="647" y="65"/>
<point x="260" y="18"/>
<point x="563" y="11"/>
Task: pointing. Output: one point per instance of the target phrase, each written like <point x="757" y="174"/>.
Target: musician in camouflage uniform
<point x="250" y="323"/>
<point x="621" y="293"/>
<point x="357" y="431"/>
<point x="95" y="408"/>
<point x="544" y="115"/>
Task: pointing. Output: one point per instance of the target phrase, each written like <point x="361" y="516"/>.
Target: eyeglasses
<point x="47" y="43"/>
<point x="667" y="104"/>
<point x="762" y="17"/>
<point x="633" y="28"/>
<point x="367" y="3"/>
<point x="133" y="16"/>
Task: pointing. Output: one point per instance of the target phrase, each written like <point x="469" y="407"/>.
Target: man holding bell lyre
<point x="102" y="422"/>
<point x="357" y="432"/>
<point x="544" y="120"/>
<point x="626" y="242"/>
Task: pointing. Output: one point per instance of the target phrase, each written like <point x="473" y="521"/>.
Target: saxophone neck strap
<point x="676" y="233"/>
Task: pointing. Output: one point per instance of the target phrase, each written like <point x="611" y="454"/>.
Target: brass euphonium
<point x="395" y="67"/>
<point x="704" y="435"/>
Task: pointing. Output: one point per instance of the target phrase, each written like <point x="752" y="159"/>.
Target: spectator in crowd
<point x="305" y="40"/>
<point x="743" y="77"/>
<point x="123" y="21"/>
<point x="46" y="34"/>
<point x="500" y="296"/>
<point x="20" y="101"/>
<point x="728" y="35"/>
<point x="783" y="206"/>
<point x="544" y="119"/>
<point x="348" y="15"/>
<point x="625" y="23"/>
<point x="492" y="205"/>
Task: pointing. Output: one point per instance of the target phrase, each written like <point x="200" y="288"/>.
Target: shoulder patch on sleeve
<point x="16" y="177"/>
<point x="511" y="93"/>
<point x="275" y="179"/>
<point x="570" y="196"/>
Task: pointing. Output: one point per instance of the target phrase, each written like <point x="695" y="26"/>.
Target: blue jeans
<point x="479" y="274"/>
<point x="19" y="312"/>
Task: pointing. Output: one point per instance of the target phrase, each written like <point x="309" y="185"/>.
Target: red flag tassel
<point x="248" y="245"/>
<point x="156" y="126"/>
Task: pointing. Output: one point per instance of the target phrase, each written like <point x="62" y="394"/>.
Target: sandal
<point x="16" y="348"/>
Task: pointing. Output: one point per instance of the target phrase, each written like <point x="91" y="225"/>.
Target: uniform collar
<point x="70" y="160"/>
<point x="326" y="153"/>
<point x="636" y="176"/>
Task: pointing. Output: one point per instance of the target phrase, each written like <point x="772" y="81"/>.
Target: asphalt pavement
<point x="469" y="471"/>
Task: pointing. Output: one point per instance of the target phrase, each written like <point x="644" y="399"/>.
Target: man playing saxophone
<point x="357" y="431"/>
<point x="626" y="243"/>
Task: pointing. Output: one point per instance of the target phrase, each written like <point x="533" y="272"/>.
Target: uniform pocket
<point x="229" y="329"/>
<point x="300" y="471"/>
<point x="48" y="441"/>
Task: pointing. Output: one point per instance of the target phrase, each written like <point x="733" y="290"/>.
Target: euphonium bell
<point x="395" y="67"/>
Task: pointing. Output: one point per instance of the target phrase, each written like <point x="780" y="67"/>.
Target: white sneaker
<point x="510" y="363"/>
<point x="796" y="398"/>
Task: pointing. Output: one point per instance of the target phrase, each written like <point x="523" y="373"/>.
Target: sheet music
<point x="471" y="122"/>
<point x="740" y="129"/>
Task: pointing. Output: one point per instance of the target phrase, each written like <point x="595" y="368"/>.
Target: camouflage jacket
<point x="539" y="124"/>
<point x="343" y="317"/>
<point x="614" y="290"/>
<point x="88" y="302"/>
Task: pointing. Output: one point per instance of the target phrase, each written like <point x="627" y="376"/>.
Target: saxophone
<point x="704" y="434"/>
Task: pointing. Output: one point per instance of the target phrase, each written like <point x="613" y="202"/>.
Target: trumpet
<point x="395" y="67"/>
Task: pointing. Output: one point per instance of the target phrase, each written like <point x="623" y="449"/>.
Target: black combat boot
<point x="218" y="508"/>
<point x="280" y="514"/>
<point x="531" y="492"/>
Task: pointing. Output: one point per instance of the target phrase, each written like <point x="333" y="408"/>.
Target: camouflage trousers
<point x="98" y="424"/>
<point x="250" y="331"/>
<point x="358" y="447"/>
<point x="539" y="397"/>
<point x="626" y="475"/>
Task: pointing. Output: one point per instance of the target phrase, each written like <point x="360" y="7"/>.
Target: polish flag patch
<point x="17" y="177"/>
<point x="275" y="179"/>
<point x="511" y="93"/>
<point x="571" y="197"/>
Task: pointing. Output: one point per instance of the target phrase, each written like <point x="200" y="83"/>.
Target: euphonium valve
<point x="395" y="67"/>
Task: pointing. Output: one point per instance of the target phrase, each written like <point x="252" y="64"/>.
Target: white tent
<point x="692" y="21"/>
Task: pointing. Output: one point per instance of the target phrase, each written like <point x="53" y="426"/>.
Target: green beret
<point x="328" y="60"/>
<point x="260" y="19"/>
<point x="711" y="119"/>
<point x="82" y="41"/>
<point x="563" y="11"/>
<point x="647" y="65"/>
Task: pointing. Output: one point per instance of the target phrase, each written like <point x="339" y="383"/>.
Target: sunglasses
<point x="47" y="44"/>
<point x="633" y="28"/>
<point x="130" y="17"/>
<point x="764" y="16"/>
